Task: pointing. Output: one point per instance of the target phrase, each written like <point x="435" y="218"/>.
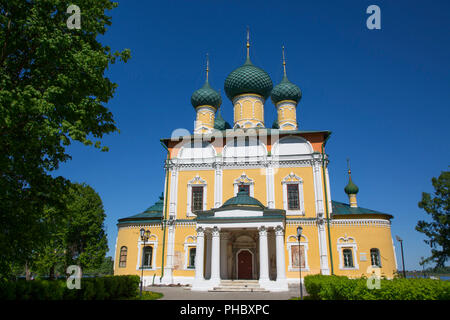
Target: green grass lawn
<point x="149" y="295"/>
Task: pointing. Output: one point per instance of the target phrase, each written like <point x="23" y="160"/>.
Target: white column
<point x="263" y="255"/>
<point x="223" y="256"/>
<point x="199" y="253"/>
<point x="281" y="267"/>
<point x="215" y="255"/>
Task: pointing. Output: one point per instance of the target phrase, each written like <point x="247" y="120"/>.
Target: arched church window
<point x="147" y="256"/>
<point x="375" y="257"/>
<point x="348" y="258"/>
<point x="192" y="252"/>
<point x="123" y="257"/>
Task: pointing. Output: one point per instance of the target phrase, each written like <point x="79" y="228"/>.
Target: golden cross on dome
<point x="348" y="167"/>
<point x="248" y="42"/>
<point x="284" y="62"/>
<point x="207" y="66"/>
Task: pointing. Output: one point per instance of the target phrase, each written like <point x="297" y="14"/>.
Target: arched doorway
<point x="245" y="264"/>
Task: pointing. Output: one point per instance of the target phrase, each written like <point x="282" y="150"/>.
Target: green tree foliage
<point x="438" y="230"/>
<point x="78" y="238"/>
<point x="104" y="269"/>
<point x="53" y="91"/>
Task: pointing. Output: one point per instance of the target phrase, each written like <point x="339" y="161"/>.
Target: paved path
<point x="184" y="293"/>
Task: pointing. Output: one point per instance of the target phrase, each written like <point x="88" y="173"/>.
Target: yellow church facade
<point x="235" y="198"/>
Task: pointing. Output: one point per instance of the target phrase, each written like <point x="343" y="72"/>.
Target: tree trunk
<point x="27" y="272"/>
<point x="52" y="272"/>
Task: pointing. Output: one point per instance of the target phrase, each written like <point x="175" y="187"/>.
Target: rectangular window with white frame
<point x="196" y="195"/>
<point x="293" y="201"/>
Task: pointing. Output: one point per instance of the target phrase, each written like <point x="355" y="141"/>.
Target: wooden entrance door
<point x="245" y="264"/>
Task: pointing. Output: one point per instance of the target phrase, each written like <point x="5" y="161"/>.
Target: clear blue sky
<point x="383" y="93"/>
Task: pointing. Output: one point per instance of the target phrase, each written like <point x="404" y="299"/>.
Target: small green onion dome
<point x="248" y="79"/>
<point x="286" y="90"/>
<point x="220" y="123"/>
<point x="275" y="124"/>
<point x="351" y="188"/>
<point x="206" y="96"/>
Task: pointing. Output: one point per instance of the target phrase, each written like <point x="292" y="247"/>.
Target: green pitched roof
<point x="340" y="208"/>
<point x="154" y="212"/>
<point x="248" y="79"/>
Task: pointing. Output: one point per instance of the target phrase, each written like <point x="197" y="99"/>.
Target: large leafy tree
<point x="53" y="91"/>
<point x="78" y="238"/>
<point x="438" y="230"/>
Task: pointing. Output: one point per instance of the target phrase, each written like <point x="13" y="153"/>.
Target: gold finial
<point x="284" y="62"/>
<point x="207" y="66"/>
<point x="348" y="167"/>
<point x="248" y="42"/>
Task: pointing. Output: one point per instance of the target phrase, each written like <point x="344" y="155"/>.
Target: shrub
<point x="101" y="288"/>
<point x="321" y="287"/>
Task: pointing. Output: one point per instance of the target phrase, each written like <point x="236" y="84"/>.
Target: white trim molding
<point x="293" y="179"/>
<point x="292" y="241"/>
<point x="245" y="180"/>
<point x="140" y="246"/>
<point x="195" y="182"/>
<point x="347" y="243"/>
<point x="189" y="242"/>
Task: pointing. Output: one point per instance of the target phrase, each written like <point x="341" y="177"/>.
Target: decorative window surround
<point x="347" y="243"/>
<point x="245" y="180"/>
<point x="293" y="179"/>
<point x="292" y="241"/>
<point x="140" y="246"/>
<point x="190" y="242"/>
<point x="196" y="182"/>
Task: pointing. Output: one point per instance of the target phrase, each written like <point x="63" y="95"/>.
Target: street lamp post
<point x="403" y="260"/>
<point x="145" y="235"/>
<point x="299" y="235"/>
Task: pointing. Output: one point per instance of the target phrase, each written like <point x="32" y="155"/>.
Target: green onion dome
<point x="351" y="188"/>
<point x="220" y="123"/>
<point x="206" y="96"/>
<point x="286" y="90"/>
<point x="248" y="79"/>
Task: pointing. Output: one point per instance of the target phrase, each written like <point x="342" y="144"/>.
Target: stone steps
<point x="238" y="286"/>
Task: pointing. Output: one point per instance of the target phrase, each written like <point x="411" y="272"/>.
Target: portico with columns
<point x="240" y="240"/>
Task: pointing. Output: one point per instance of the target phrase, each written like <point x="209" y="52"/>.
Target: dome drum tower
<point x="285" y="96"/>
<point x="206" y="101"/>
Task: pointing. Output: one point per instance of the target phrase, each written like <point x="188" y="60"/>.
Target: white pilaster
<point x="263" y="256"/>
<point x="173" y="192"/>
<point x="318" y="191"/>
<point x="323" y="248"/>
<point x="218" y="187"/>
<point x="270" y="187"/>
<point x="168" y="277"/>
<point x="215" y="255"/>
